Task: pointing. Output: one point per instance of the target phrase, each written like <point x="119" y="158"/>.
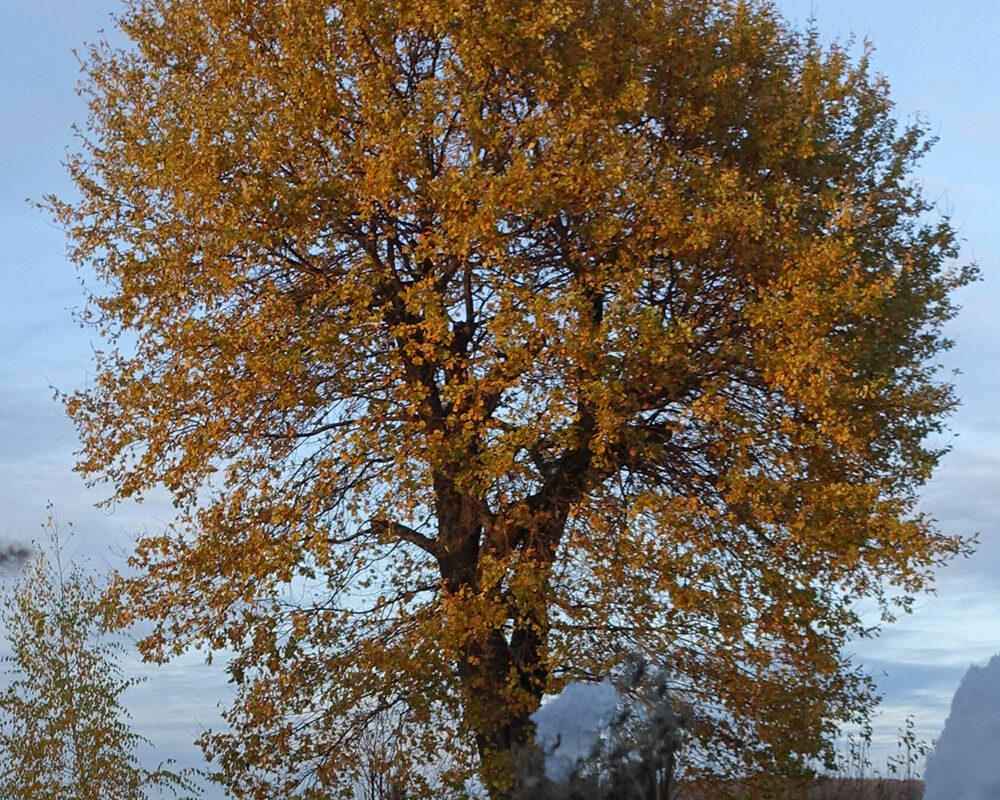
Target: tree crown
<point x="479" y="343"/>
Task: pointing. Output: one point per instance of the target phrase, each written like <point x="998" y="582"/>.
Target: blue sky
<point x="942" y="62"/>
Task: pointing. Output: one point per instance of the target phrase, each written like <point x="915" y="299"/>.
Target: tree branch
<point x="383" y="527"/>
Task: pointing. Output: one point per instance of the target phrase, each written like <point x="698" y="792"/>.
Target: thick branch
<point x="384" y="527"/>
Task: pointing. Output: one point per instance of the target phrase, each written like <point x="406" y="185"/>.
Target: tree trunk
<point x="503" y="668"/>
<point x="504" y="680"/>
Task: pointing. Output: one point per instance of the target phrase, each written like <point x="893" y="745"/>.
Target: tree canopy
<point x="481" y="343"/>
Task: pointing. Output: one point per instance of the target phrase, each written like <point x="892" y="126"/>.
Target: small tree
<point x="63" y="730"/>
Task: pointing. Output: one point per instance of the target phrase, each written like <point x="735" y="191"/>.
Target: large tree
<point x="482" y="342"/>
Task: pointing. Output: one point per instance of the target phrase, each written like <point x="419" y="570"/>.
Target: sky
<point x="943" y="65"/>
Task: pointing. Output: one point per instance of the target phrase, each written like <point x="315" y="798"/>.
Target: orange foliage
<point x="479" y="343"/>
